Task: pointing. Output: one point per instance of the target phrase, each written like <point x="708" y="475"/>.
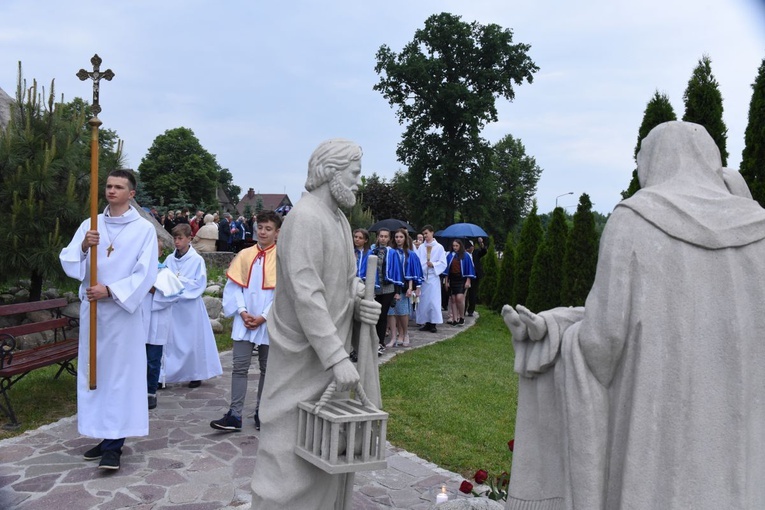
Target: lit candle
<point x="442" y="497"/>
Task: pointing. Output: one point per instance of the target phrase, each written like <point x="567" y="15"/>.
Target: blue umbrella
<point x="463" y="230"/>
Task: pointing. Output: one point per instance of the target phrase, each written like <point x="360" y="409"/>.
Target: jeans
<point x="154" y="362"/>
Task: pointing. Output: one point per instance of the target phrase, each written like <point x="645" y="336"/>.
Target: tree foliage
<point x="657" y="111"/>
<point x="503" y="295"/>
<point x="704" y="104"/>
<point x="581" y="257"/>
<point x="546" y="282"/>
<point x="44" y="181"/>
<point x="177" y="165"/>
<point x="488" y="286"/>
<point x="528" y="243"/>
<point x="753" y="155"/>
<point x="384" y="199"/>
<point x="514" y="178"/>
<point x="444" y="85"/>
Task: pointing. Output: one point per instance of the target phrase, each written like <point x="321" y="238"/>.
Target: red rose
<point x="511" y="444"/>
<point x="480" y="476"/>
<point x="466" y="487"/>
<point x="503" y="480"/>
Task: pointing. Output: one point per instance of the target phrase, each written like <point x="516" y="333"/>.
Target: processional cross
<point x="96" y="76"/>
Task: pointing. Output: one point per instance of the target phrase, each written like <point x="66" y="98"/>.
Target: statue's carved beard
<point x="340" y="192"/>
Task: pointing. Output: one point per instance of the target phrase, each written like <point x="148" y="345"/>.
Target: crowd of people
<point x="158" y="304"/>
<point x="213" y="231"/>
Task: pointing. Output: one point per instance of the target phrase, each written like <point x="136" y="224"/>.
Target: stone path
<point x="185" y="464"/>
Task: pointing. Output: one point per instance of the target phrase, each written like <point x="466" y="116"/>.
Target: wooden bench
<point x="14" y="365"/>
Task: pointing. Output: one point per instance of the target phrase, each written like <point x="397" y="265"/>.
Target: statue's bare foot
<point x="514" y="324"/>
<point x="536" y="325"/>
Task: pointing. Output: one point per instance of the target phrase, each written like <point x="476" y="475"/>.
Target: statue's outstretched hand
<point x="346" y="375"/>
<point x="514" y="324"/>
<point x="369" y="311"/>
<point x="535" y="325"/>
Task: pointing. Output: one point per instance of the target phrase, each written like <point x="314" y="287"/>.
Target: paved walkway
<point x="184" y="464"/>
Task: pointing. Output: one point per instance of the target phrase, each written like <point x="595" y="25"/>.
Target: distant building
<point x="266" y="201"/>
<point x="226" y="205"/>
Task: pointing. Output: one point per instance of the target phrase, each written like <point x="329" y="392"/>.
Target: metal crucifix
<point x="96" y="76"/>
<point x="94" y="123"/>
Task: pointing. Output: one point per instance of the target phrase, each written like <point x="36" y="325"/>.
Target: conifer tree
<point x="704" y="104"/>
<point x="546" y="281"/>
<point x="43" y="181"/>
<point x="490" y="275"/>
<point x="503" y="295"/>
<point x="528" y="243"/>
<point x="657" y="111"/>
<point x="581" y="257"/>
<point x="753" y="155"/>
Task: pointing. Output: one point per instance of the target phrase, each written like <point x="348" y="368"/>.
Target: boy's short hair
<point x="429" y="228"/>
<point x="125" y="174"/>
<point x="266" y="216"/>
<point x="182" y="229"/>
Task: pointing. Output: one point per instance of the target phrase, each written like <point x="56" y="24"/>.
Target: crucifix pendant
<point x="109" y="251"/>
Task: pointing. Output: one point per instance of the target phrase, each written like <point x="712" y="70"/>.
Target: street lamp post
<point x="563" y="195"/>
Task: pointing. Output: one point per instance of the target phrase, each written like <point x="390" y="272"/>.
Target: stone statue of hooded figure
<point x="652" y="396"/>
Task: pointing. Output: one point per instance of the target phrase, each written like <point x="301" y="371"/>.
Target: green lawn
<point x="453" y="403"/>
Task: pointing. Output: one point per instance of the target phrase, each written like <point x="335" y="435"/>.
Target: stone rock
<point x="24" y="342"/>
<point x="221" y="259"/>
<point x="21" y="296"/>
<point x="51" y="293"/>
<point x="71" y="297"/>
<point x="72" y="309"/>
<point x="13" y="290"/>
<point x="217" y="327"/>
<point x="8" y="321"/>
<point x="213" y="290"/>
<point x="470" y="504"/>
<point x="6" y="298"/>
<point x="213" y="305"/>
<point x="38" y="316"/>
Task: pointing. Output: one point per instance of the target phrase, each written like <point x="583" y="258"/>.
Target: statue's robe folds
<point x="310" y="326"/>
<point x="117" y="408"/>
<point x="653" y="396"/>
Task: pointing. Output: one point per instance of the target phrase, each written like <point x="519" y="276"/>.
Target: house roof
<point x="269" y="200"/>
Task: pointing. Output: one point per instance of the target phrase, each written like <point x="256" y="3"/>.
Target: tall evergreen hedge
<point x="546" y="281"/>
<point x="528" y="243"/>
<point x="581" y="257"/>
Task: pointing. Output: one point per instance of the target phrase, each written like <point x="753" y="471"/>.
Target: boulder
<point x="214" y="306"/>
<point x="213" y="290"/>
<point x="217" y="327"/>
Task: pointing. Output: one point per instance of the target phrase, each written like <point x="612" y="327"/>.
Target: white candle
<point x="442" y="497"/>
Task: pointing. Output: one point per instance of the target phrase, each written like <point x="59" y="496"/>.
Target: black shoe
<point x="110" y="460"/>
<point x="381" y="350"/>
<point x="195" y="384"/>
<point x="257" y="420"/>
<point x="433" y="329"/>
<point x="229" y="422"/>
<point x="93" y="454"/>
<point x="470" y="314"/>
<point x="152" y="401"/>
<point x="461" y="322"/>
<point x="354" y="356"/>
<point x="426" y="327"/>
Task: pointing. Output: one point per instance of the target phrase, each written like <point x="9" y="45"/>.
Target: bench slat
<point x="31" y="359"/>
<point x="35" y="327"/>
<point x="32" y="306"/>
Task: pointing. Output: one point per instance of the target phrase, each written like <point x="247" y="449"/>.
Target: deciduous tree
<point x="444" y="85"/>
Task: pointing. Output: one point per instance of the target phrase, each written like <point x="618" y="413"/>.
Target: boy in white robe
<point x="190" y="354"/>
<point x="433" y="259"/>
<point x="127" y="268"/>
<point x="247" y="297"/>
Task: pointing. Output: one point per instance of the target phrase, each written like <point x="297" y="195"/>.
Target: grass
<point x="453" y="403"/>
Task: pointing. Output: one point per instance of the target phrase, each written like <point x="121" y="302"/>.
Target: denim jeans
<point x="154" y="362"/>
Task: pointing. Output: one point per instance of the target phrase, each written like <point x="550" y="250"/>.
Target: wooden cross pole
<point x="96" y="75"/>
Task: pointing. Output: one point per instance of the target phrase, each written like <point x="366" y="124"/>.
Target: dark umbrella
<point x="391" y="224"/>
<point x="460" y="230"/>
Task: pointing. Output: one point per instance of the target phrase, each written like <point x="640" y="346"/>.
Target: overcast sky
<point x="262" y="85"/>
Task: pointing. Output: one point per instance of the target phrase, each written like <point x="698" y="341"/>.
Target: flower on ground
<point x="480" y="476"/>
<point x="511" y="444"/>
<point x="466" y="487"/>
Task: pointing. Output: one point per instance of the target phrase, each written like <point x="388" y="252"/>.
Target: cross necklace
<point x="110" y="249"/>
